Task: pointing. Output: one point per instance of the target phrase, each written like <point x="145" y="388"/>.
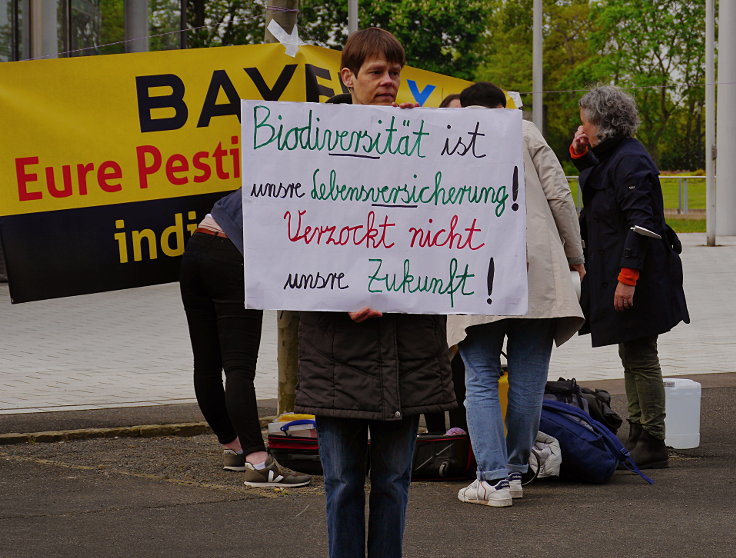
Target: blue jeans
<point x="528" y="351"/>
<point x="344" y="451"/>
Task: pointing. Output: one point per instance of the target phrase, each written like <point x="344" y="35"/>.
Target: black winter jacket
<point x="620" y="185"/>
<point x="381" y="369"/>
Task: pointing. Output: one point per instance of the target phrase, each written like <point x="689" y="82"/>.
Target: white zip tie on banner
<point x="291" y="41"/>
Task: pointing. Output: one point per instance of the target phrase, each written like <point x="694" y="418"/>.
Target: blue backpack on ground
<point x="590" y="451"/>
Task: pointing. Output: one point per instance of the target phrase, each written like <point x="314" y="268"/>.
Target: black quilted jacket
<point x="380" y="369"/>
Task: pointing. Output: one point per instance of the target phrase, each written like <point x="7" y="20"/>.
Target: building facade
<point x="32" y="29"/>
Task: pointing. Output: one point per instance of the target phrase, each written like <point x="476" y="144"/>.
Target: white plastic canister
<point x="682" y="405"/>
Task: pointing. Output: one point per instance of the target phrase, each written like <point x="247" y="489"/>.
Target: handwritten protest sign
<point x="402" y="210"/>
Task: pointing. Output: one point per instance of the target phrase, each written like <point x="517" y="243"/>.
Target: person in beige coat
<point x="554" y="250"/>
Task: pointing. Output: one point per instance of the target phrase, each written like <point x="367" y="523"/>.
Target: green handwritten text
<point x="405" y="194"/>
<point x="308" y="136"/>
<point x="409" y="283"/>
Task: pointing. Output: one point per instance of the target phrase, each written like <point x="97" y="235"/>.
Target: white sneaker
<point x="517" y="491"/>
<point x="480" y="492"/>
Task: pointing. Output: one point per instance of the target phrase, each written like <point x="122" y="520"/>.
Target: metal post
<point x="684" y="196"/>
<point x="679" y="195"/>
<point x="44" y="22"/>
<point x="352" y="16"/>
<point x="726" y="120"/>
<point x="537" y="73"/>
<point x="284" y="12"/>
<point x="183" y="24"/>
<point x="66" y="43"/>
<point x="15" y="37"/>
<point x="710" y="124"/>
<point x="136" y="26"/>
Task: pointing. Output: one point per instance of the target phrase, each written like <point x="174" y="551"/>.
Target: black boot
<point x="634" y="433"/>
<point x="649" y="452"/>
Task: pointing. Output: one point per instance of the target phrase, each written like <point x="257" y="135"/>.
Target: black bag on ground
<point x="438" y="457"/>
<point x="597" y="403"/>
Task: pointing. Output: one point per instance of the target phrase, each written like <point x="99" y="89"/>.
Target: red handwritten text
<point x="426" y="237"/>
<point x="369" y="234"/>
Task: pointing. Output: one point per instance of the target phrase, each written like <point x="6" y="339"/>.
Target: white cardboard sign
<point x="402" y="210"/>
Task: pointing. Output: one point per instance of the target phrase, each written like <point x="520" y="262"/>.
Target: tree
<point x="653" y="49"/>
<point x="224" y="22"/>
<point x="656" y="50"/>
<point x="568" y="27"/>
<point x="112" y="28"/>
<point x="164" y="24"/>
<point x="508" y="46"/>
<point x="438" y="35"/>
<point x="508" y="58"/>
<point x="444" y="36"/>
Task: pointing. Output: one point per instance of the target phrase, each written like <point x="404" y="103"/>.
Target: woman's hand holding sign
<point x="364" y="314"/>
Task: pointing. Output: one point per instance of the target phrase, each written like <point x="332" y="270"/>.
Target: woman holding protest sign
<point x="225" y="335"/>
<point x="366" y="373"/>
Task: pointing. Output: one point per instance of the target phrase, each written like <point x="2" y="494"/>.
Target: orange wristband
<point x="578" y="155"/>
<point x="628" y="276"/>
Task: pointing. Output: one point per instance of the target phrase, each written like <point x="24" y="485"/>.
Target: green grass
<point x="670" y="194"/>
<point x="670" y="187"/>
<point x="695" y="192"/>
<point x="687" y="225"/>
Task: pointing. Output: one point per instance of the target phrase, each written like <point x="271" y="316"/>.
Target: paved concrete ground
<point x="115" y="349"/>
<point x="123" y="359"/>
<point x="131" y="348"/>
<point x="167" y="496"/>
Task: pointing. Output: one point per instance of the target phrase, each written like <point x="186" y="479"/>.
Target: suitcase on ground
<point x="294" y="445"/>
<point x="442" y="458"/>
<point x="436" y="457"/>
<point x="299" y="453"/>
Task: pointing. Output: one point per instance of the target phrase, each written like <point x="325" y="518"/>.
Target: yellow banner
<point x="103" y="130"/>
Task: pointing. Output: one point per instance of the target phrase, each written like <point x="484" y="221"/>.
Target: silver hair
<point x="612" y="110"/>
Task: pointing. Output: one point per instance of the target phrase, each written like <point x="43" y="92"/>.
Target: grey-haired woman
<point x="633" y="289"/>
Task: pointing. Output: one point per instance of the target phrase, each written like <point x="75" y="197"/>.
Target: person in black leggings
<point x="226" y="336"/>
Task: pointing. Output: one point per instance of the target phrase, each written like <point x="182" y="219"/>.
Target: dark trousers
<point x="644" y="384"/>
<point x="436" y="421"/>
<point x="224" y="335"/>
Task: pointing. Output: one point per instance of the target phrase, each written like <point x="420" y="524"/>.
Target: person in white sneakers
<point x="553" y="249"/>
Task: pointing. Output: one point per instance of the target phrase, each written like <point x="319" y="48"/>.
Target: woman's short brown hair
<point x="370" y="42"/>
<point x="447" y="100"/>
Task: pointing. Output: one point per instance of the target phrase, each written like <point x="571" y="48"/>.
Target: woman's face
<point x="589" y="129"/>
<point x="377" y="82"/>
